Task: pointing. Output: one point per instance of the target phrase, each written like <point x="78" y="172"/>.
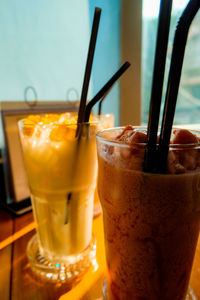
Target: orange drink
<point x="61" y="168"/>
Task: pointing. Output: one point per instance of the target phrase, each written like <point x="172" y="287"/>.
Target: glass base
<point x="72" y="268"/>
<point x="190" y="293"/>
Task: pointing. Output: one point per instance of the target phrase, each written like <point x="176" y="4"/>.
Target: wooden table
<point x="17" y="281"/>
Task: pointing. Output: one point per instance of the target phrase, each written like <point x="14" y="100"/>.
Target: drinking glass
<point x="61" y="165"/>
<point x="151" y="221"/>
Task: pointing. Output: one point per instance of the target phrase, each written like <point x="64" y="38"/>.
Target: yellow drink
<point x="61" y="169"/>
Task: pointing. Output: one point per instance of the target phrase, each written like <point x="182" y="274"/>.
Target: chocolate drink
<point x="151" y="221"/>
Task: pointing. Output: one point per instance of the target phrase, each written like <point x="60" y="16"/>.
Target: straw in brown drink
<point x="179" y="45"/>
<point x="157" y="84"/>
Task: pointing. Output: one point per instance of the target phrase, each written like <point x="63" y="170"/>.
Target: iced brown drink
<point x="151" y="221"/>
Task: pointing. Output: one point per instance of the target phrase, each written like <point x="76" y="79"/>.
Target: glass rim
<point x="114" y="142"/>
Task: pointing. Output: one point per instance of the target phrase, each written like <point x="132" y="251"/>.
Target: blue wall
<point x="107" y="53"/>
<point x="44" y="43"/>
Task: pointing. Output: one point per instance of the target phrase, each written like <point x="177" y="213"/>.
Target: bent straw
<point x="178" y="50"/>
<point x="157" y="83"/>
<point x="105" y="89"/>
<point x="89" y="62"/>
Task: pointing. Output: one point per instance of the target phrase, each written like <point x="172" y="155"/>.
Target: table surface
<point x="16" y="278"/>
<point x="17" y="281"/>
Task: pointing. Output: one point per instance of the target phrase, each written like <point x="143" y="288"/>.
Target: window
<point x="188" y="103"/>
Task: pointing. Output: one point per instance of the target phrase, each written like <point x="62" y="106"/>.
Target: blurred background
<point x="43" y="44"/>
<point x="188" y="104"/>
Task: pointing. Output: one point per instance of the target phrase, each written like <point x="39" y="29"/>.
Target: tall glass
<point x="61" y="167"/>
<point x="151" y="221"/>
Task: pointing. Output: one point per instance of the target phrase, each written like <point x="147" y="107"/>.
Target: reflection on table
<point x="17" y="280"/>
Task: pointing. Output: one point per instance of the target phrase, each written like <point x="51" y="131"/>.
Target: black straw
<point x="104" y="90"/>
<point x="88" y="68"/>
<point x="178" y="50"/>
<point x="157" y="83"/>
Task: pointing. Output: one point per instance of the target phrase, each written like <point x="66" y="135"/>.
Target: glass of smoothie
<point x="61" y="165"/>
<point x="151" y="221"/>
